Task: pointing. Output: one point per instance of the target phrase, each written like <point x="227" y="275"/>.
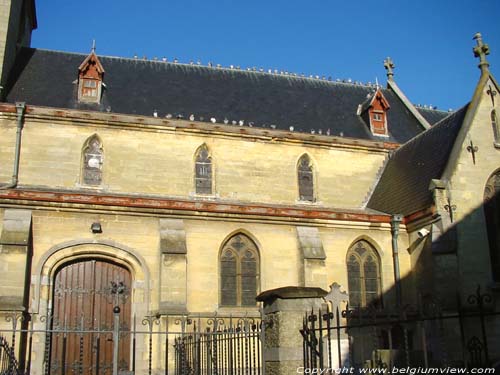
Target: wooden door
<point x="82" y="324"/>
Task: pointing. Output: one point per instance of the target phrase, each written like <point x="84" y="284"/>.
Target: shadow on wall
<point x="454" y="318"/>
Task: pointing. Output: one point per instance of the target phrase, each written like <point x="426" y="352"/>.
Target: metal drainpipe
<point x="395" y="221"/>
<point x="20" y="108"/>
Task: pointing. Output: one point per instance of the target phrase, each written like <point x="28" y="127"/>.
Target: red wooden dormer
<point x="90" y="76"/>
<point x="374" y="112"/>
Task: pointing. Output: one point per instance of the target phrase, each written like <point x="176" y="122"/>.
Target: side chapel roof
<point x="141" y="87"/>
<point x="404" y="185"/>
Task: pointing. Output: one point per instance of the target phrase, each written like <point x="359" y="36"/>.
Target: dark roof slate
<point x="404" y="185"/>
<point x="134" y="86"/>
<point x="433" y="116"/>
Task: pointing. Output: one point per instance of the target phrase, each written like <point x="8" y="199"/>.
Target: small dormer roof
<point x="92" y="57"/>
<point x="377" y="95"/>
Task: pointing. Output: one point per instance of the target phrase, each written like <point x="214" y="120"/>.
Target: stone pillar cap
<point x="291" y="292"/>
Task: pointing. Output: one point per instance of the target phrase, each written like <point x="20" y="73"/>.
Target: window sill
<point x="91" y="187"/>
<point x="239" y="311"/>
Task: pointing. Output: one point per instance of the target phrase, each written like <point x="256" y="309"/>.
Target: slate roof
<point x="433" y="116"/>
<point x="136" y="86"/>
<point x="404" y="185"/>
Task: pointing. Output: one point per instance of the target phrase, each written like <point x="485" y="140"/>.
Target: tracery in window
<point x="305" y="179"/>
<point x="363" y="275"/>
<point x="92" y="160"/>
<point x="492" y="216"/>
<point x="203" y="171"/>
<point x="239" y="272"/>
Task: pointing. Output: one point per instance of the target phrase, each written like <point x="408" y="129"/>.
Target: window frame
<point x="304" y="160"/>
<point x="362" y="250"/>
<point x="87" y="153"/>
<point x="207" y="189"/>
<point x="239" y="254"/>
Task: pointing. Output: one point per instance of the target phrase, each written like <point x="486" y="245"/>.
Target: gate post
<point x="284" y="310"/>
<point x="116" y="338"/>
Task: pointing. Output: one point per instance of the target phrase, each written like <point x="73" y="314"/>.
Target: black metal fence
<point x="180" y="344"/>
<point x="8" y="362"/>
<point x="226" y="346"/>
<point x="422" y="336"/>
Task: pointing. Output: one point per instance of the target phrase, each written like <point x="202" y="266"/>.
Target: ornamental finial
<point x="389" y="66"/>
<point x="481" y="50"/>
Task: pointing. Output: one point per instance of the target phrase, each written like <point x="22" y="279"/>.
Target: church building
<point x="194" y="188"/>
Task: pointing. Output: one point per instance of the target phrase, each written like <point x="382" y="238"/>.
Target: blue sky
<point x="430" y="41"/>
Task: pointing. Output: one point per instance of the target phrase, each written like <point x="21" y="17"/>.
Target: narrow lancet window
<point x="203" y="171"/>
<point x="92" y="162"/>
<point x="496" y="130"/>
<point x="306" y="179"/>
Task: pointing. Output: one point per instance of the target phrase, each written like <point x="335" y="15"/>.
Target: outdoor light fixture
<point x="422" y="233"/>
<point x="96" y="228"/>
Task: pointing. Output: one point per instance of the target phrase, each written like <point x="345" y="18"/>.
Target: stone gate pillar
<point x="284" y="310"/>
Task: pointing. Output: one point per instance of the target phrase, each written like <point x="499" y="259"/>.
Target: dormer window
<point x="89" y="88"/>
<point x="90" y="76"/>
<point x="374" y="113"/>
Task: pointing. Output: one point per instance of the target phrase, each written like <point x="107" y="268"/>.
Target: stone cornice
<point x="166" y="206"/>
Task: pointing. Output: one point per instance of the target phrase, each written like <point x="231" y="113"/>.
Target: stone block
<point x="310" y="243"/>
<point x="172" y="237"/>
<point x="16" y="227"/>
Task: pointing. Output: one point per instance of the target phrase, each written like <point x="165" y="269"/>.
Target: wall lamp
<point x="96" y="228"/>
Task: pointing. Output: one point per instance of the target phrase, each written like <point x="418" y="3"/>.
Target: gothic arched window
<point x="492" y="215"/>
<point x="92" y="159"/>
<point x="305" y="179"/>
<point x="203" y="171"/>
<point x="363" y="275"/>
<point x="239" y="272"/>
<point x="496" y="130"/>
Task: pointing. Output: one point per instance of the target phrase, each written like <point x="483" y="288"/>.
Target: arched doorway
<point x="85" y="292"/>
<point x="492" y="215"/>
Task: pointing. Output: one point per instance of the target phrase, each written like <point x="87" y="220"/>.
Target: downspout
<point x="395" y="221"/>
<point x="20" y="108"/>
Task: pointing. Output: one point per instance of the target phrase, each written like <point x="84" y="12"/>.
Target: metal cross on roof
<point x="481" y="50"/>
<point x="389" y="66"/>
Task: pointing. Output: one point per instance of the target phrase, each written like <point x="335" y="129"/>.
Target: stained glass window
<point x="363" y="275"/>
<point x="239" y="272"/>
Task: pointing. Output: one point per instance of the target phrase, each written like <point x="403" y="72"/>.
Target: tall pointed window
<point x="203" y="171"/>
<point x="363" y="273"/>
<point x="92" y="160"/>
<point x="239" y="272"/>
<point x="496" y="130"/>
<point x="305" y="179"/>
<point x="492" y="215"/>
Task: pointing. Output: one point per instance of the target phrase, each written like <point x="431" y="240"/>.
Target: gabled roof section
<point x="395" y="88"/>
<point x="404" y="185"/>
<point x="377" y="95"/>
<point x="142" y="87"/>
<point x="433" y="116"/>
<point x="94" y="60"/>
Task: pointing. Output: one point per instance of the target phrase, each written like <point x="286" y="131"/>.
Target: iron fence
<point x="421" y="336"/>
<point x="226" y="346"/>
<point x="167" y="344"/>
<point x="8" y="362"/>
